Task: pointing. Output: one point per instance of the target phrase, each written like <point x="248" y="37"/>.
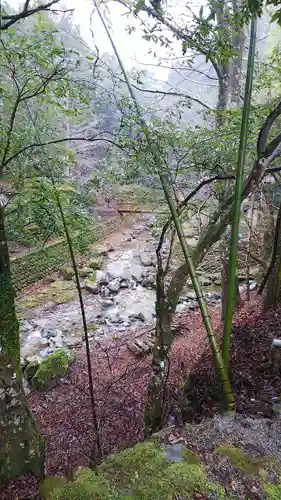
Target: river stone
<point x="146" y="259"/>
<point x="106" y="303"/>
<point x="124" y="283"/>
<point x="114" y="285"/>
<point x="253" y="286"/>
<point x="104" y="291"/>
<point x="140" y="316"/>
<point x="102" y="278"/>
<point x="85" y="272"/>
<point x="48" y="333"/>
<point x="92" y="287"/>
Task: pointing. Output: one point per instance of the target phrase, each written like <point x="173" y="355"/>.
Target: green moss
<point x="50" y="484"/>
<point x="248" y="465"/>
<point x="57" y="292"/>
<point x="95" y="263"/>
<point x="51" y="369"/>
<point x="140" y="473"/>
<point x="85" y="272"/>
<point x="31" y="369"/>
<point x="273" y="491"/>
<point x="190" y="457"/>
<point x="66" y="273"/>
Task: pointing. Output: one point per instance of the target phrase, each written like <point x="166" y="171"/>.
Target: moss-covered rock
<point x="95" y="263"/>
<point x="66" y="273"/>
<point x="248" y="465"/>
<point x="51" y="369"/>
<point x="86" y="272"/>
<point x="139" y="473"/>
<point x="50" y="484"/>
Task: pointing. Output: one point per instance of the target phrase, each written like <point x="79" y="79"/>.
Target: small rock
<point x="115" y="318"/>
<point x="85" y="272"/>
<point x="124" y="283"/>
<point x="104" y="291"/>
<point x="146" y="259"/>
<point x="48" y="333"/>
<point x="102" y="278"/>
<point x="114" y="285"/>
<point x="253" y="286"/>
<point x="137" y="277"/>
<point x="140" y="316"/>
<point x="106" y="303"/>
<point x="92" y="287"/>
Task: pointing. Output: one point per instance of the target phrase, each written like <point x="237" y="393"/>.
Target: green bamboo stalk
<point x="231" y="281"/>
<point x="227" y="391"/>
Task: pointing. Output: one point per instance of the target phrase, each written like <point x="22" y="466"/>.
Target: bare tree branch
<point x="265" y="129"/>
<point x="57" y="141"/>
<point x="13" y="18"/>
<point x="175" y="94"/>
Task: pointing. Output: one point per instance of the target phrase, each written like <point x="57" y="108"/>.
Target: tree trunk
<point x="21" y="446"/>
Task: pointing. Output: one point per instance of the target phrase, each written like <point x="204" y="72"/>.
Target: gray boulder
<point x="114" y="285"/>
<point x="146" y="259"/>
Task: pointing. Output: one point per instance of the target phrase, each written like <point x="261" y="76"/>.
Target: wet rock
<point x="137" y="277"/>
<point x="48" y="333"/>
<point x="114" y="285"/>
<point x="106" y="303"/>
<point x="140" y="316"/>
<point x="253" y="286"/>
<point x="104" y="291"/>
<point x="146" y="259"/>
<point x="148" y="282"/>
<point x="124" y="283"/>
<point x="85" y="272"/>
<point x="33" y="344"/>
<point x="116" y="318"/>
<point x="92" y="287"/>
<point x="102" y="278"/>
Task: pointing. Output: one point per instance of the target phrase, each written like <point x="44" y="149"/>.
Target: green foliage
<point x="273" y="491"/>
<point x="51" y="369"/>
<point x="33" y="215"/>
<point x="38" y="264"/>
<point x="140" y="473"/>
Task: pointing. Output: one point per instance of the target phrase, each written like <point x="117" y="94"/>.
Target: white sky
<point x="132" y="47"/>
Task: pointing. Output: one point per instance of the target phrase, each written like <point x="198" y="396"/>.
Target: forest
<point x="140" y="250"/>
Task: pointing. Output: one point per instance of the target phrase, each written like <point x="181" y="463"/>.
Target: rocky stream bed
<point x="118" y="291"/>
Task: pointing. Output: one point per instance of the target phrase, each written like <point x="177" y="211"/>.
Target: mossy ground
<point x="248" y="465"/>
<point x="57" y="292"/>
<point x="140" y="473"/>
